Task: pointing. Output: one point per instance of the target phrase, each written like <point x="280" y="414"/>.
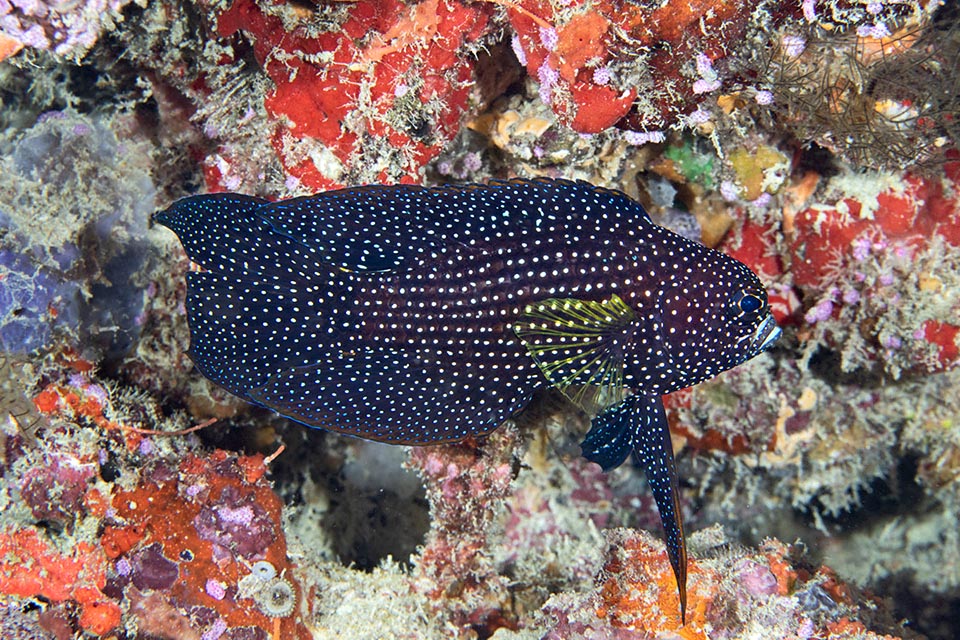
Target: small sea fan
<point x="878" y="100"/>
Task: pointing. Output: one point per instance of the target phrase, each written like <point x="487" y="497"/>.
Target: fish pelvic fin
<point x="639" y="425"/>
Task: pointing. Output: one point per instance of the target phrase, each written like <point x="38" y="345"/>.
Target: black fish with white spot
<point x="417" y="315"/>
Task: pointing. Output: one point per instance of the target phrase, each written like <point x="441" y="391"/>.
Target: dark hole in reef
<point x="53" y="528"/>
<point x="304" y="4"/>
<point x="418" y="126"/>
<point x="934" y="615"/>
<point x="917" y="612"/>
<point x="895" y="497"/>
<point x="897" y="494"/>
<point x="819" y="159"/>
<point x="110" y="468"/>
<point x="248" y="433"/>
<point x="368" y="506"/>
<point x="826" y="364"/>
<point x="376" y="525"/>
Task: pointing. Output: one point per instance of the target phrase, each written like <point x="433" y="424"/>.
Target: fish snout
<point x="766" y="334"/>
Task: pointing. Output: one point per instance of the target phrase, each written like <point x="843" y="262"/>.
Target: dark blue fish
<point x="418" y="316"/>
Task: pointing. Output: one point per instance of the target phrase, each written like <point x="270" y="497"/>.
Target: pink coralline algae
<point x="757" y="579"/>
<point x="67" y="29"/>
<point x="236" y="523"/>
<point x="215" y="589"/>
<point x="464" y="486"/>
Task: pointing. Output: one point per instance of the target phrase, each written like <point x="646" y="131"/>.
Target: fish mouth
<point x="765" y="336"/>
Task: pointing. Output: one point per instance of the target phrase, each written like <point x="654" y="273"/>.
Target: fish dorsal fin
<point x="380" y="228"/>
<point x="363" y="229"/>
<point x="579" y="343"/>
<point x="388" y="228"/>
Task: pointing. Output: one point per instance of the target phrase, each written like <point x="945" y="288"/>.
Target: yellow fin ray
<point x="578" y="344"/>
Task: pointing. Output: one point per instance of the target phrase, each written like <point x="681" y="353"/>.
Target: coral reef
<point x="136" y="534"/>
<point x="126" y="534"/>
<point x="459" y="578"/>
<point x="600" y="63"/>
<point x="880" y="92"/>
<point x="816" y="141"/>
<point x="736" y="594"/>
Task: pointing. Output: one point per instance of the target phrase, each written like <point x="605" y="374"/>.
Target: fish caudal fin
<point x="639" y="424"/>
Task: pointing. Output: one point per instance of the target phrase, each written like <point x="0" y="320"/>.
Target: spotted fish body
<point x="419" y="315"/>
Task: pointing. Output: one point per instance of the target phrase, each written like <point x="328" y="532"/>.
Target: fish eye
<point x="750" y="303"/>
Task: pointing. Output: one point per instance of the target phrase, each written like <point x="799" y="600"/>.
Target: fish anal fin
<point x="578" y="343"/>
<point x="385" y="395"/>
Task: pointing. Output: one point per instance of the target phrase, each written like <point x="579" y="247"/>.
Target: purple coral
<point x="643" y="137"/>
<point x="32" y="303"/>
<point x="153" y="570"/>
<point x="602" y="75"/>
<point x="123" y="567"/>
<point x="764" y="97"/>
<point x="549" y="38"/>
<point x="820" y="312"/>
<point x="237" y="523"/>
<point x="794" y="45"/>
<point x="548" y="77"/>
<point x="758" y="580"/>
<point x="705" y="86"/>
<point x="215" y="590"/>
<point x="518" y="51"/>
<point x="215" y="631"/>
<point x="54" y="492"/>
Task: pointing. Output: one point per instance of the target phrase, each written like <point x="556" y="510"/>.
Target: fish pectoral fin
<point x="639" y="424"/>
<point x="579" y="343"/>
